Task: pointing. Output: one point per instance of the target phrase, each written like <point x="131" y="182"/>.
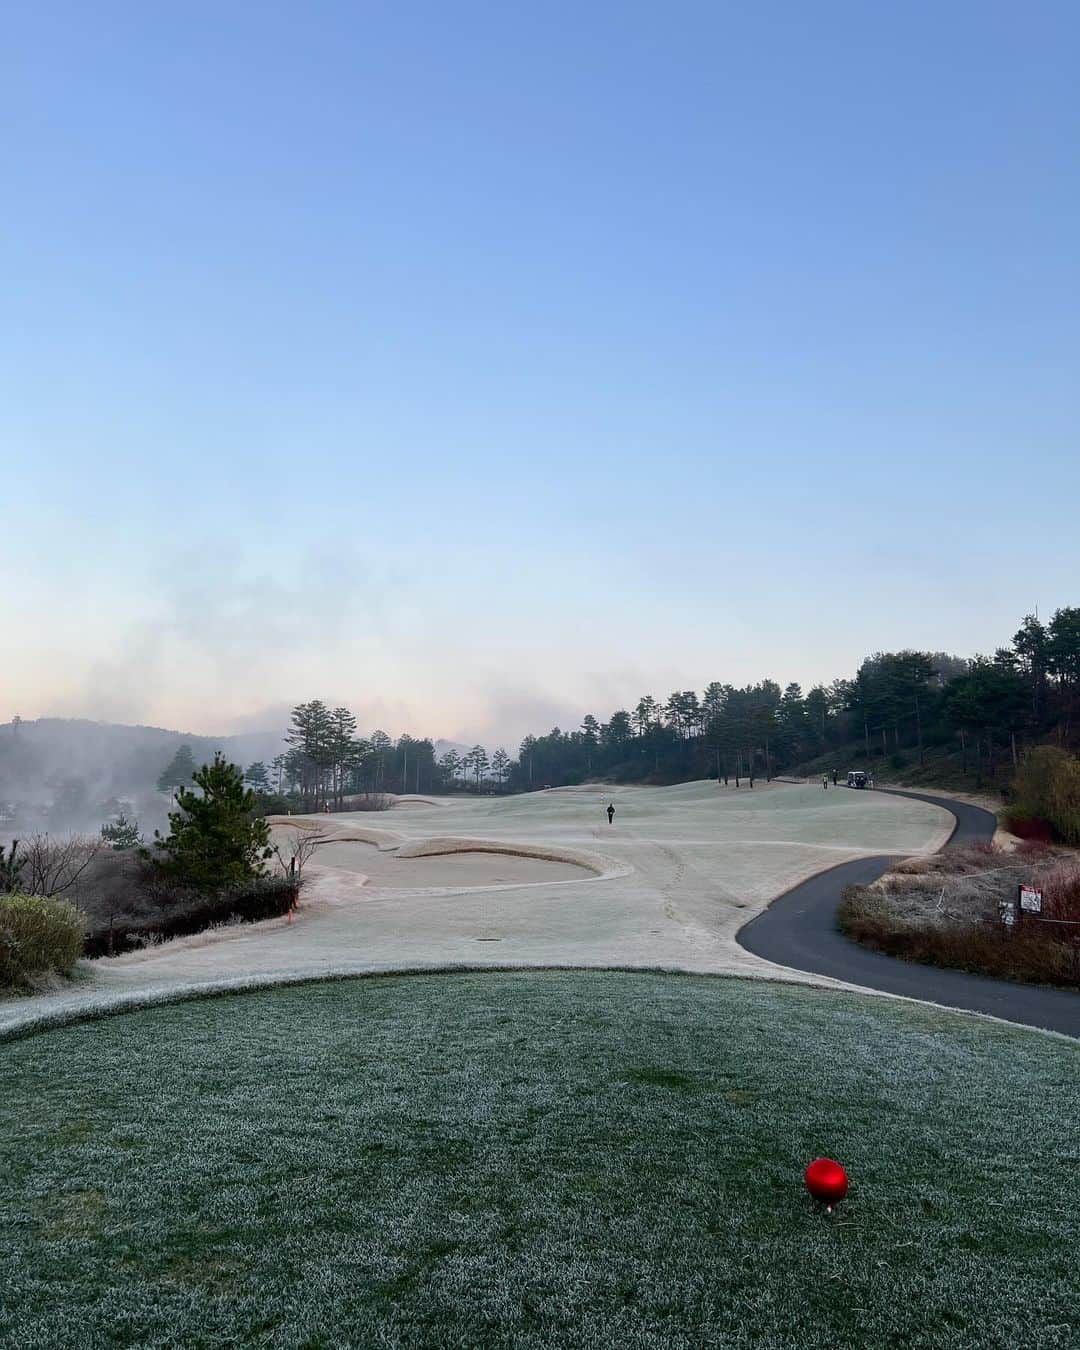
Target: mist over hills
<point x="61" y="773"/>
<point x="68" y="773"/>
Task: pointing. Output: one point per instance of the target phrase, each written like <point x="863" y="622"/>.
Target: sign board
<point x="1007" y="912"/>
<point x="1031" y="898"/>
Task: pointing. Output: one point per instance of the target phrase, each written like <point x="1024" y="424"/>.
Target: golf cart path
<point x="799" y="930"/>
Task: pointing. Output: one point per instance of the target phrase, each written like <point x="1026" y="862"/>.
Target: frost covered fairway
<point x="668" y="885"/>
<point x="586" y="1159"/>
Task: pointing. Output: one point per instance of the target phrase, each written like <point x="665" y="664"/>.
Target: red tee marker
<point x="826" y="1181"/>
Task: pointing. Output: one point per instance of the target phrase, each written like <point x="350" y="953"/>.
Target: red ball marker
<point x="826" y="1181"/>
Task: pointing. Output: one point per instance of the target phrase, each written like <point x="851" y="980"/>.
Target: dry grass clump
<point x="969" y="858"/>
<point x="962" y="861"/>
<point x="947" y="912"/>
<point x="39" y="935"/>
<point x="1046" y="788"/>
<point x="912" y="867"/>
<point x="1061" y="892"/>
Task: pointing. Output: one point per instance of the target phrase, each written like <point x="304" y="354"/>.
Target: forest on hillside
<point x="922" y="716"/>
<point x="899" y="710"/>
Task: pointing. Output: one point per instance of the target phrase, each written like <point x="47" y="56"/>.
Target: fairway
<point x="538" y="1159"/>
<point x="668" y="885"/>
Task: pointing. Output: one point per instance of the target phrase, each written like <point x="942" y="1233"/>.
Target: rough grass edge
<point x="59" y="1018"/>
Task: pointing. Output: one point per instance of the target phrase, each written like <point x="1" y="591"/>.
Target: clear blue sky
<point x="482" y="365"/>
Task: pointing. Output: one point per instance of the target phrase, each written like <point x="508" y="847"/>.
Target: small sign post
<point x="1007" y="912"/>
<point x="1030" y="898"/>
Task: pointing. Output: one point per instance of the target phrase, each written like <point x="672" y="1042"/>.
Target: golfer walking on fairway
<point x="610" y="812"/>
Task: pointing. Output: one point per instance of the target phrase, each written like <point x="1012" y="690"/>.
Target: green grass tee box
<point x="538" y="1159"/>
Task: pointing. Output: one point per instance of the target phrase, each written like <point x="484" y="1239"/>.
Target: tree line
<point x="326" y="762"/>
<point x="898" y="708"/>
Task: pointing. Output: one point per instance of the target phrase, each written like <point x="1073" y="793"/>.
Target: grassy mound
<point x="538" y="1159"/>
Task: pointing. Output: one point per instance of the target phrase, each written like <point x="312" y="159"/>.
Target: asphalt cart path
<point x="800" y="930"/>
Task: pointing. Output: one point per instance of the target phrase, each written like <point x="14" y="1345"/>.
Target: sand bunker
<point x="458" y="866"/>
<point x="667" y="885"/>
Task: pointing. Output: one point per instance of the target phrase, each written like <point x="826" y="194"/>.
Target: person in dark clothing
<point x="834" y="778"/>
<point x="610" y="812"/>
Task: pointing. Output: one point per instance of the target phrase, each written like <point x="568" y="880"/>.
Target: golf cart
<point x="856" y="778"/>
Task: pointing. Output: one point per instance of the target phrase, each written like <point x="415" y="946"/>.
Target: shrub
<point x="1029" y="828"/>
<point x="369" y="801"/>
<point x="968" y="933"/>
<point x="1061" y="893"/>
<point x="1034" y="850"/>
<point x="12" y="863"/>
<point x="276" y="804"/>
<point x="174" y="911"/>
<point x="1047" y="787"/>
<point x="38" y="935"/>
<point x="122" y="833"/>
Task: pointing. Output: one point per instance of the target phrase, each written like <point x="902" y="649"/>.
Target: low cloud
<point x="224" y="633"/>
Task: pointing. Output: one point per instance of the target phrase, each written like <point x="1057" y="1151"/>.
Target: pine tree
<point x="310" y="736"/>
<point x="479" y="758"/>
<point x="590" y="739"/>
<point x="214" y="838"/>
<point x="11" y="867"/>
<point x="122" y="833"/>
<point x="257" y="778"/>
<point x="179" y="771"/>
<point x="381" y="745"/>
<point x="500" y="764"/>
<point x="343" y="750"/>
<point x="450" y="765"/>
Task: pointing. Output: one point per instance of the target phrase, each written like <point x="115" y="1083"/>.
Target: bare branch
<point x="294" y="845"/>
<point x="54" y="865"/>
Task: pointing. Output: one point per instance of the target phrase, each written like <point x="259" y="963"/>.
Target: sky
<point x="481" y="365"/>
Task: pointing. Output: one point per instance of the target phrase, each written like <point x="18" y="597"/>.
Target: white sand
<point x="668" y="885"/>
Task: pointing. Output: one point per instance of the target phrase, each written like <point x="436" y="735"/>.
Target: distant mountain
<point x="444" y="747"/>
<point x="88" y="763"/>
